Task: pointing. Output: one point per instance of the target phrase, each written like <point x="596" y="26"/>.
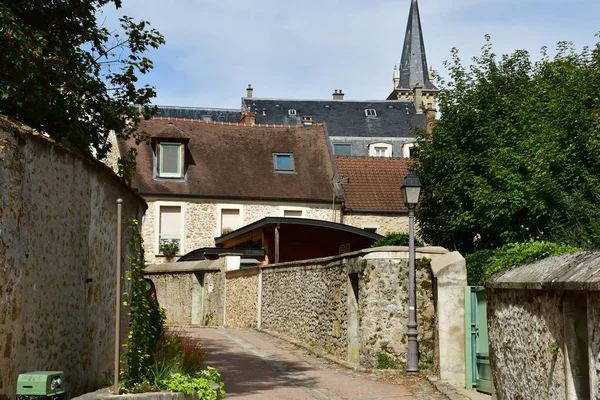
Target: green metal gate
<point x="479" y="373"/>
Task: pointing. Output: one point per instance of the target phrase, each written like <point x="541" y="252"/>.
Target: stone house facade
<point x="202" y="179"/>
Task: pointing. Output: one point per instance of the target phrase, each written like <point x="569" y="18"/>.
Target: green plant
<point x="184" y="354"/>
<point x="227" y="230"/>
<point x="72" y="73"/>
<point x="126" y="166"/>
<point x="169" y="247"/>
<point x="384" y="361"/>
<point x="483" y="264"/>
<point x="396" y="239"/>
<point x="159" y="372"/>
<point x="516" y="151"/>
<point x="553" y="348"/>
<point x="198" y="382"/>
<point x="146" y="318"/>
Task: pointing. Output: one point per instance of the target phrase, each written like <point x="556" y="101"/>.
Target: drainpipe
<point x="118" y="297"/>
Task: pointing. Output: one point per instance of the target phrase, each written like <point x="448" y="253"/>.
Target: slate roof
<point x="231" y="161"/>
<point x="413" y="64"/>
<point x="199" y="113"/>
<point x="341" y="117"/>
<point x="374" y="183"/>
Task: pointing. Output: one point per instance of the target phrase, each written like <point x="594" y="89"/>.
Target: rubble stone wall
<point x="242" y="298"/>
<point x="58" y="224"/>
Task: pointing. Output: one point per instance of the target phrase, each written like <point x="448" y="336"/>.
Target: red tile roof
<point x="236" y="161"/>
<point x="374" y="183"/>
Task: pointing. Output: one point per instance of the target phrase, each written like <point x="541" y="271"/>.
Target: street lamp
<point x="411" y="190"/>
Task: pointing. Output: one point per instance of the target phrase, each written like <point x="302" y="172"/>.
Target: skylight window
<point x="370" y="112"/>
<point x="283" y="162"/>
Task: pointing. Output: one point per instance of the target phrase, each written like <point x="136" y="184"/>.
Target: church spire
<point x="413" y="69"/>
<point x="413" y="64"/>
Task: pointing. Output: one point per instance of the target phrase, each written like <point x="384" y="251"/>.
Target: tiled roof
<point x="199" y="113"/>
<point x="394" y="118"/>
<point x="236" y="161"/>
<point x="374" y="183"/>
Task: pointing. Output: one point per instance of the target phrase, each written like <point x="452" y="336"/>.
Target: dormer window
<point x="170" y="159"/>
<point x="370" y="112"/>
<point x="292" y="112"/>
<point x="380" y="150"/>
<point x="283" y="162"/>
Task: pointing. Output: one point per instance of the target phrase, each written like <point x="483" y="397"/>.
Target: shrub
<point x="485" y="263"/>
<point x="182" y="353"/>
<point x="396" y="239"/>
<point x="197" y="382"/>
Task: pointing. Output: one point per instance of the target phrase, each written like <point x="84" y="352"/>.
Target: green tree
<point x="70" y="78"/>
<point x="516" y="152"/>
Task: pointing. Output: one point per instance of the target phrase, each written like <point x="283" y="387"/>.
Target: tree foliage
<point x="396" y="239"/>
<point x="516" y="152"/>
<point x="484" y="263"/>
<point x="70" y="78"/>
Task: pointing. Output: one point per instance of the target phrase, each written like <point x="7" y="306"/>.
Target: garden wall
<point x="58" y="224"/>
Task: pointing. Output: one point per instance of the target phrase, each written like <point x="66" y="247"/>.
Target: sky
<point x="306" y="49"/>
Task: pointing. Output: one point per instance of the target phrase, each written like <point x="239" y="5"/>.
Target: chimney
<point x="338" y="95"/>
<point x="248" y="118"/>
<point x="249" y="91"/>
<point x="418" y="98"/>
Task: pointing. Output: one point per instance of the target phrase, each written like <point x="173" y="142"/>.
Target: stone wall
<point x="314" y="301"/>
<point x="383" y="223"/>
<point x="544" y="326"/>
<point x="242" y="298"/>
<point x="383" y="305"/>
<point x="522" y="325"/>
<point x="174" y="292"/>
<point x="58" y="228"/>
<point x="202" y="220"/>
<point x="308" y="302"/>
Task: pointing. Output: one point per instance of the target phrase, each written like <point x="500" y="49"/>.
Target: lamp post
<point x="411" y="190"/>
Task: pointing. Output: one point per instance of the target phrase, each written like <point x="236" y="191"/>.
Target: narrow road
<point x="255" y="365"/>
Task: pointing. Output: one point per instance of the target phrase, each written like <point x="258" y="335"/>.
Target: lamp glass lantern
<point x="411" y="190"/>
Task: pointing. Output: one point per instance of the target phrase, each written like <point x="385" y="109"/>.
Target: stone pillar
<point x="450" y="279"/>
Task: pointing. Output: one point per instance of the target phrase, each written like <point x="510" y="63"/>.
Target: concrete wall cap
<point x="578" y="271"/>
<point x="441" y="263"/>
<point x="184" y="266"/>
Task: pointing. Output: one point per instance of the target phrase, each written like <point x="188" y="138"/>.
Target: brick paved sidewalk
<point x="256" y="365"/>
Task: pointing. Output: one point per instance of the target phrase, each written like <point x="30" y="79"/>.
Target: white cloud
<point x="307" y="49"/>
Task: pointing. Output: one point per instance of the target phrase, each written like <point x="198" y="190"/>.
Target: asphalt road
<point x="255" y="365"/>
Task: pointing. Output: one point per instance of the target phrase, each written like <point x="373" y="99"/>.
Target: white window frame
<point x="406" y="149"/>
<point x="157" y="206"/>
<point x="375" y="146"/>
<point x="283" y="209"/>
<point x="292" y="112"/>
<point x="160" y="160"/>
<point x="228" y="206"/>
<point x="370" y="112"/>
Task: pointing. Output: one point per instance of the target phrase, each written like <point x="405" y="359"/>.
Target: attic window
<point x="292" y="112"/>
<point x="283" y="162"/>
<point x="170" y="155"/>
<point x="370" y="112"/>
